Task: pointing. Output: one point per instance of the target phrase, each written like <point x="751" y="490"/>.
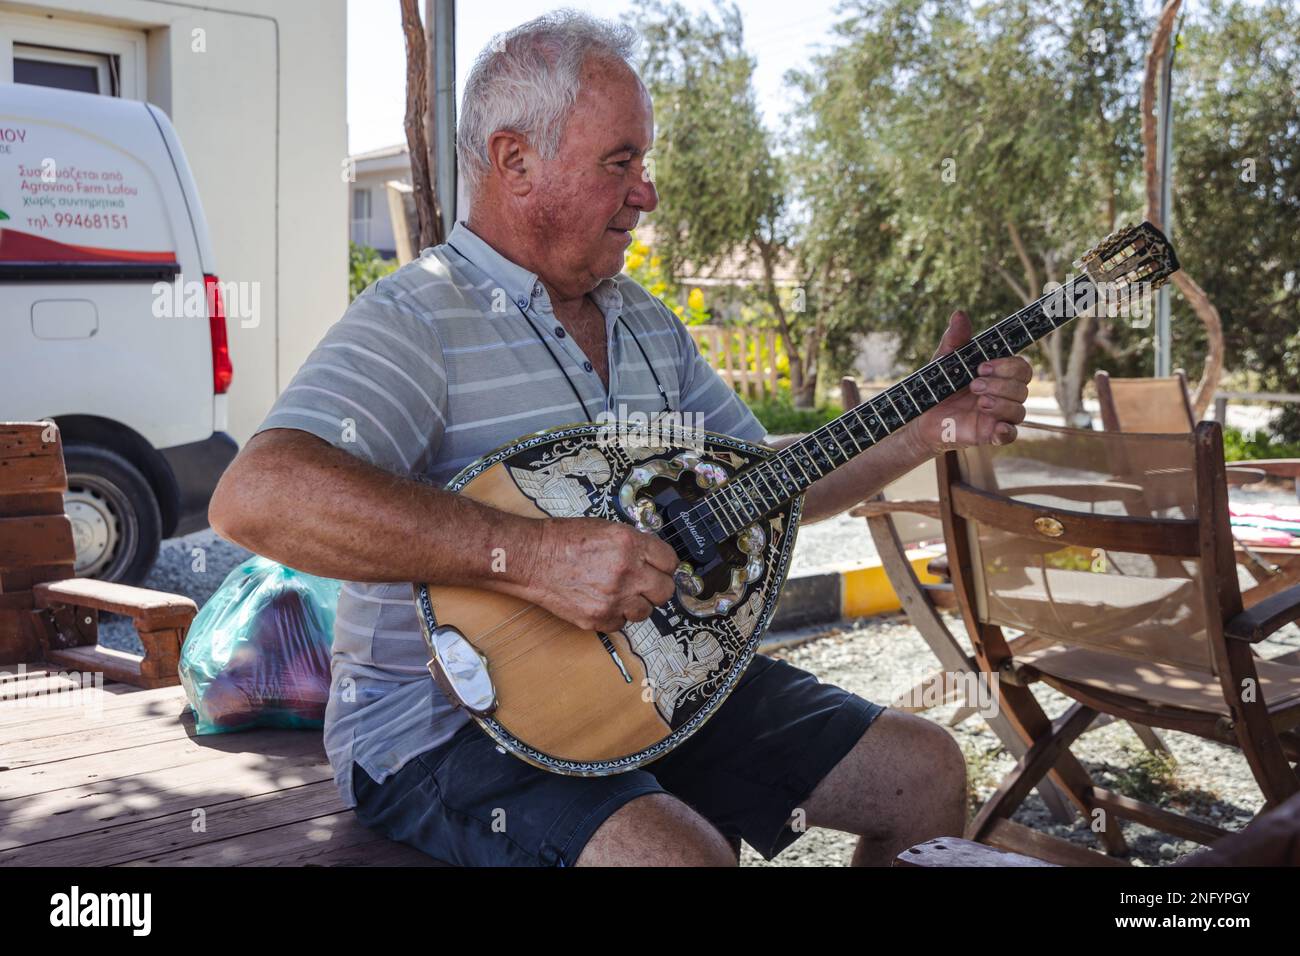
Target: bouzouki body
<point x="581" y="702"/>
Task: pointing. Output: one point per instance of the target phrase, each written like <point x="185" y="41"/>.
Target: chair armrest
<point x="1277" y="467"/>
<point x="1267" y="616"/>
<point x="872" y="509"/>
<point x="151" y="610"/>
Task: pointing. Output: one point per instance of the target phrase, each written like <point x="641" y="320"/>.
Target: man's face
<point x="591" y="194"/>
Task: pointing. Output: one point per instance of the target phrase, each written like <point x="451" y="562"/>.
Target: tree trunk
<point x="799" y="388"/>
<point x="428" y="216"/>
<point x="1193" y="293"/>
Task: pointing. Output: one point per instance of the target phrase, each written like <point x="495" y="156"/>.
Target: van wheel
<point x="116" y="525"/>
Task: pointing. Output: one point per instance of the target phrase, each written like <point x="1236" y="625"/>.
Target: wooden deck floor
<point x="119" y="778"/>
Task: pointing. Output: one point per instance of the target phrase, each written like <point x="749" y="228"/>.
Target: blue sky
<point x="780" y="35"/>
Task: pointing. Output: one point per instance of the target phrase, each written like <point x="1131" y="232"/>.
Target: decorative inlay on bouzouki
<point x="581" y="702"/>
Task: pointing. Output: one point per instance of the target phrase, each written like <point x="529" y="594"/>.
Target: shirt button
<point x="587" y="366"/>
<point x="522" y="303"/>
<point x="537" y="289"/>
<point x="559" y="331"/>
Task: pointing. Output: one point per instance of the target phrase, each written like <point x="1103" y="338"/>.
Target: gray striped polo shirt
<point x="429" y="369"/>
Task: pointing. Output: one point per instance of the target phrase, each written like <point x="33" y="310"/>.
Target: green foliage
<point x="780" y="417"/>
<point x="936" y="125"/>
<point x="1238" y="446"/>
<point x="365" y="265"/>
<point x="720" y="182"/>
<point x="1237" y="188"/>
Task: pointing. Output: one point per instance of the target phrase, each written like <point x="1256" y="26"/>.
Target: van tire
<point x="117" y="525"/>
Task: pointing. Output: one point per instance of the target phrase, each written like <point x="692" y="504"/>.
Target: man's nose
<point x="644" y="196"/>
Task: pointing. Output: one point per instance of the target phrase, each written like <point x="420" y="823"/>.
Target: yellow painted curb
<point x="867" y="591"/>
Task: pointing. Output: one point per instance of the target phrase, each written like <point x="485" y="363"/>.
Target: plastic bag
<point x="258" y="653"/>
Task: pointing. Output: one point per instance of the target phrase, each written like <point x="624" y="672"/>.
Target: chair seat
<point x="1157" y="683"/>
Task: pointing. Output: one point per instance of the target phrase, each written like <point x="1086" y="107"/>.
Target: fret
<point x="903" y="402"/>
<point x="830" y="437"/>
<point x="1037" y="321"/>
<point x="777" y="494"/>
<point x="919" y="392"/>
<point x="967" y="353"/>
<point x="817" y="443"/>
<point x="1084" y="291"/>
<point x="708" y="501"/>
<point x="989" y="339"/>
<point x="839" y="432"/>
<point x="758" y="495"/>
<point x="823" y="463"/>
<point x="937" y="381"/>
<point x="887" y="413"/>
<point x="848" y="431"/>
<point x="1016" y="336"/>
<point x="736" y="489"/>
<point x="795" y="459"/>
<point x="829" y="428"/>
<point x="787" y="480"/>
<point x="799" y="455"/>
<point x="871" y="423"/>
<point x="955" y="370"/>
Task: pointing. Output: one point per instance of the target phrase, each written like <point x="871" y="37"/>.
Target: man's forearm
<point x="298" y="500"/>
<point x="864" y="476"/>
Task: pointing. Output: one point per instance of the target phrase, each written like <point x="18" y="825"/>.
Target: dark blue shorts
<point x="746" y="770"/>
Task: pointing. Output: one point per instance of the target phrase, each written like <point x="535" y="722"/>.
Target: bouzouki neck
<point x="1122" y="269"/>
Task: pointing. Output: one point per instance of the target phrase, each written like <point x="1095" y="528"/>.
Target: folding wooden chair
<point x="46" y="614"/>
<point x="1113" y="551"/>
<point x="1163" y="405"/>
<point x="905" y="517"/>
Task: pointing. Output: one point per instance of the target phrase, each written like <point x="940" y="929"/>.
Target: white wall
<point x="261" y="112"/>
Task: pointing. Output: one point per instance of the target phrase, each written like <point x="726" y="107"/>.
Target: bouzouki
<point x="587" y="703"/>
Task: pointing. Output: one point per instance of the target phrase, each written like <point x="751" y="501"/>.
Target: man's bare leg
<point x="903" y="783"/>
<point x="656" y="829"/>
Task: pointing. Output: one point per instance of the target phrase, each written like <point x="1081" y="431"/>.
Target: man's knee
<point x="656" y="829"/>
<point x="934" y="762"/>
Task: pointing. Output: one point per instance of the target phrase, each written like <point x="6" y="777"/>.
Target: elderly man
<point x="519" y="322"/>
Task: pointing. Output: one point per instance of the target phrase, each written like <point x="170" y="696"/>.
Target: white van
<point x="111" y="319"/>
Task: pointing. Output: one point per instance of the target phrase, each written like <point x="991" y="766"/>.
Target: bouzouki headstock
<point x="1130" y="255"/>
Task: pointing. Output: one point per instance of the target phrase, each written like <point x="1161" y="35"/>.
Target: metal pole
<point x="440" y="15"/>
<point x="1164" y="137"/>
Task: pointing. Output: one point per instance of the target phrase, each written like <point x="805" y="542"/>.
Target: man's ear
<point x="512" y="160"/>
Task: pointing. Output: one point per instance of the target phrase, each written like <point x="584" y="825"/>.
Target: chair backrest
<point x="1104" y="540"/>
<point x="1148" y="405"/>
<point x="919" y="484"/>
<point x="36" y="543"/>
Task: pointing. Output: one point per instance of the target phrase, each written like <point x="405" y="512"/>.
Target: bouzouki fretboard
<point x="1133" y="255"/>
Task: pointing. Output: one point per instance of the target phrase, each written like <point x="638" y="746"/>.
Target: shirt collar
<point x="524" y="288"/>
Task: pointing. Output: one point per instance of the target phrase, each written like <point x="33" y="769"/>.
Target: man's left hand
<point x="987" y="411"/>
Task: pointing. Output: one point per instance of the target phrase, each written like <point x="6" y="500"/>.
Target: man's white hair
<point x="527" y="79"/>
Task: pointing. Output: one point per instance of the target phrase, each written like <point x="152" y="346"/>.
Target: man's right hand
<point x="599" y="574"/>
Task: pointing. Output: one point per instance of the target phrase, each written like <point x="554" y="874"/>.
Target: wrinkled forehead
<point x="613" y="107"/>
